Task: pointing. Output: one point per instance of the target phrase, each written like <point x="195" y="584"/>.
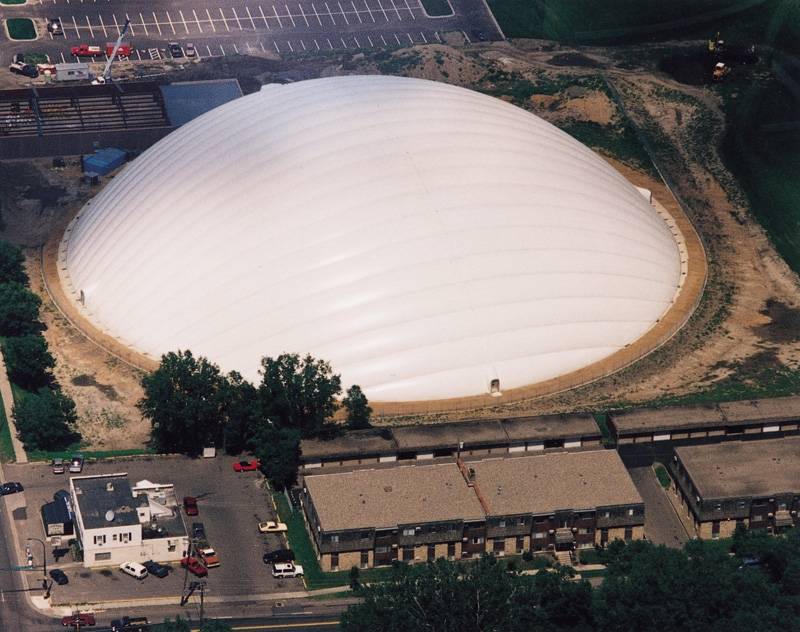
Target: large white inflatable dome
<point x="423" y="238"/>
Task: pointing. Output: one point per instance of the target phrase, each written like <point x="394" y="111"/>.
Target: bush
<point x="45" y="421"/>
<point x="19" y="310"/>
<point x="11" y="264"/>
<point x="28" y="361"/>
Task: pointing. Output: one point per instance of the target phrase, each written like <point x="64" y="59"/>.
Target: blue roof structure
<point x="186" y="100"/>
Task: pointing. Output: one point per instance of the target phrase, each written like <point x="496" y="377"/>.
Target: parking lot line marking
<point x="276" y="47"/>
<point x="466" y="37"/>
<point x="399" y="17"/>
<point x="303" y="44"/>
<point x="211" y="21"/>
<point x="237" y="18"/>
<point x="369" y="39"/>
<point x="127" y="17"/>
<point x="172" y="26"/>
<point x="366" y="5"/>
<point x="62" y="27"/>
<point x="289" y="13"/>
<point x="224" y="20"/>
<point x="413" y="17"/>
<point x="263" y="50"/>
<point x="209" y="51"/>
<point x="141" y="17"/>
<point x="103" y="26"/>
<point x="290" y="45"/>
<point x="280" y="24"/>
<point x="343" y="42"/>
<point x="303" y="13"/>
<point x="63" y="61"/>
<point x="409" y="38"/>
<point x="330" y="15"/>
<point x="315" y="13"/>
<point x="424" y="39"/>
<point x="383" y="10"/>
<point x="155" y="21"/>
<point x="439" y="39"/>
<point x="183" y="19"/>
<point x="264" y="17"/>
<point x="235" y="49"/>
<point x="398" y="39"/>
<point x="249" y="48"/>
<point x="199" y="28"/>
<point x="138" y="55"/>
<point x="250" y="15"/>
<point x="89" y="24"/>
<point x="116" y="24"/>
<point x="383" y="39"/>
<point x="343" y="13"/>
<point x="355" y="39"/>
<point x="329" y="42"/>
<point x="358" y="15"/>
<point x="222" y="50"/>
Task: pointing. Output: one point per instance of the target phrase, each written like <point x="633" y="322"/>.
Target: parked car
<point x="198" y="531"/>
<point x="190" y="50"/>
<point x="58" y="466"/>
<point x="59" y="576"/>
<point x="246" y="466"/>
<point x="278" y="555"/>
<point x="175" y="49"/>
<point x="76" y="464"/>
<point x="194" y="566"/>
<point x="208" y="557"/>
<point x="130" y="624"/>
<point x="77" y="620"/>
<point x="154" y="568"/>
<point x="134" y="569"/>
<point x="86" y="50"/>
<point x="11" y="488"/>
<point x="27" y="70"/>
<point x="287" y="570"/>
<point x="54" y="26"/>
<point x="271" y="527"/>
<point x="190" y="505"/>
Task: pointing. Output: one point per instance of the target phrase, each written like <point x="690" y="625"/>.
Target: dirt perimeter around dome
<point x="693" y="271"/>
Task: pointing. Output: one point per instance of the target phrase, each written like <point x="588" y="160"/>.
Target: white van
<point x="134" y="569"/>
<point x="287" y="570"/>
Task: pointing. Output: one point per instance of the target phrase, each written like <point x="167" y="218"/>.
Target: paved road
<point x="661" y="525"/>
<point x="226" y="27"/>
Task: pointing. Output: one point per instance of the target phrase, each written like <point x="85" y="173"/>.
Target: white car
<point x="287" y="570"/>
<point x="271" y="527"/>
<point x="134" y="569"/>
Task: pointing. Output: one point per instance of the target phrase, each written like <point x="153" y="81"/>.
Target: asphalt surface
<point x="662" y="525"/>
<point x="228" y="27"/>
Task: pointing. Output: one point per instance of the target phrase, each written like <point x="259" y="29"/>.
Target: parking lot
<point x="221" y="28"/>
<point x="230" y="507"/>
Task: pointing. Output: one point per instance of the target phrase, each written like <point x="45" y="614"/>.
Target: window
<point x="477" y="540"/>
<point x="409" y="531"/>
<point x="539" y="535"/>
<point x="521" y="522"/>
<point x="757" y="518"/>
<point x="99" y="540"/>
<point x="335" y="539"/>
<point x="628" y="533"/>
<point x="125" y="537"/>
<point x="451" y="550"/>
<point x="381" y="549"/>
<point x="606" y="514"/>
<point x="715" y="529"/>
<point x="364" y="559"/>
<point x="499" y="545"/>
<point x="99" y="557"/>
<point x="431" y="552"/>
<point x="334" y="561"/>
<point x="408" y="554"/>
<point x="520" y="543"/>
<point x="114" y="537"/>
<point x="630" y="512"/>
<point x="501" y="524"/>
<point x="740" y="504"/>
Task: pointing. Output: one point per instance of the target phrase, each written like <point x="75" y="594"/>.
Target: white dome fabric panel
<point x="421" y="237"/>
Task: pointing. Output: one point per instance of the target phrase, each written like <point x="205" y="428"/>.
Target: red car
<point x="190" y="505"/>
<point x="194" y="566"/>
<point x="246" y="466"/>
<point x="79" y="619"/>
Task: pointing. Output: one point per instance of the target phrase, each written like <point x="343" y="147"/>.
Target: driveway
<point x="230" y="506"/>
<point x="661" y="525"/>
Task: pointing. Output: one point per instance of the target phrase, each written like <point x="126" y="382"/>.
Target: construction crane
<point x="106" y="76"/>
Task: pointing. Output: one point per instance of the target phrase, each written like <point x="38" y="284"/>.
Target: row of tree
<point x="192" y="404"/>
<point x="45" y="417"/>
<point x="700" y="588"/>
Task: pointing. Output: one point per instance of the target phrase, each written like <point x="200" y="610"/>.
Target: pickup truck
<point x="124" y="49"/>
<point x="130" y="624"/>
<point x="85" y="50"/>
<point x="207" y="555"/>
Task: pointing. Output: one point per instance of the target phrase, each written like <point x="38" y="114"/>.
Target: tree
<point x="28" y="361"/>
<point x="12" y="261"/>
<point x="19" y="310"/>
<point x="242" y="414"/>
<point x="185" y="400"/>
<point x="358" y="410"/>
<point x="278" y="450"/>
<point x="45" y="420"/>
<point x="215" y="625"/>
<point x="299" y="393"/>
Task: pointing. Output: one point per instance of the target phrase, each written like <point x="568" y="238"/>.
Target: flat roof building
<point x="460" y="509"/>
<point x="755" y="484"/>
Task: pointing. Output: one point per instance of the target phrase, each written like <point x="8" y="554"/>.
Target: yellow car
<point x="271" y="527"/>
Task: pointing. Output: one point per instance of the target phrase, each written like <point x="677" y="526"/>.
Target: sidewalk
<point x="8" y="404"/>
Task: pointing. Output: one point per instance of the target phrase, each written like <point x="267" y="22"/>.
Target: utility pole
<point x="184" y="595"/>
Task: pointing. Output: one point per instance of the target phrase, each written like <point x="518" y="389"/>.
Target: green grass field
<point x="437" y="7"/>
<point x="6" y="447"/>
<point x="12" y="1"/>
<point x="21" y="29"/>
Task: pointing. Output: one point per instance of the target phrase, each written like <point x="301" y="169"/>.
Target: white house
<point x="116" y="523"/>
